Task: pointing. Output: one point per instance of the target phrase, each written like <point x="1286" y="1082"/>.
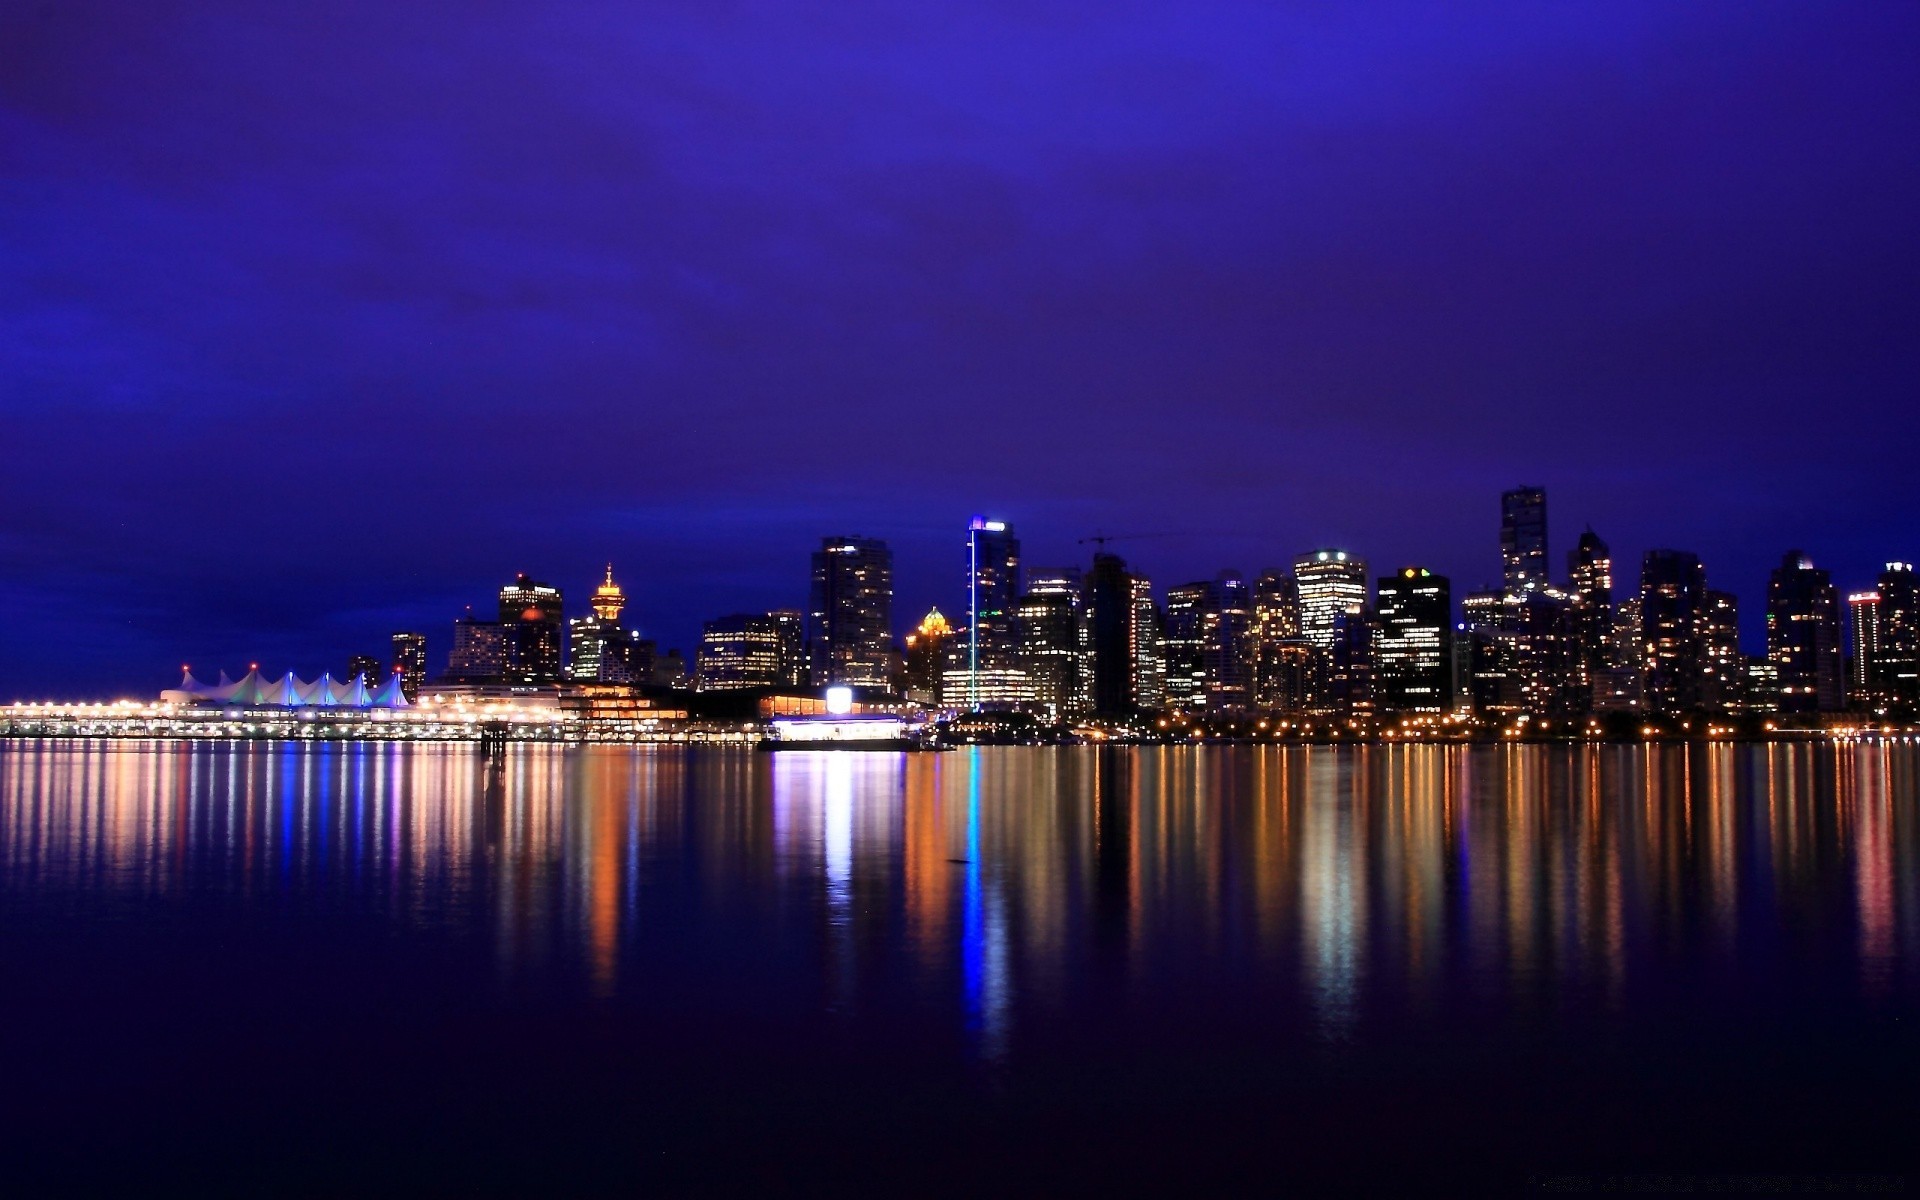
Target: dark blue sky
<point x="318" y="321"/>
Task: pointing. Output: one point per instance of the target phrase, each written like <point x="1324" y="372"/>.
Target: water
<point x="403" y="967"/>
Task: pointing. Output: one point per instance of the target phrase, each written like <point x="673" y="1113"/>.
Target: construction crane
<point x="1101" y="539"/>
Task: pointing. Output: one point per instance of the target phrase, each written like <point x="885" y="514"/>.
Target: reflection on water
<point x="1002" y="885"/>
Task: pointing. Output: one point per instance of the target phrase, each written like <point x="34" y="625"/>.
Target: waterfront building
<point x="1590" y="591"/>
<point x="410" y="659"/>
<point x="1413" y="642"/>
<point x="1523" y="538"/>
<point x="993" y="590"/>
<point x="927" y="649"/>
<point x="1673" y="586"/>
<point x="1726" y="679"/>
<point x="791" y="626"/>
<point x="1113" y="633"/>
<point x="1803" y="636"/>
<point x="850" y="617"/>
<point x="479" y="652"/>
<point x="1330" y="582"/>
<point x="1051" y="629"/>
<point x="1898" y="663"/>
<point x="531" y="619"/>
<point x="741" y="650"/>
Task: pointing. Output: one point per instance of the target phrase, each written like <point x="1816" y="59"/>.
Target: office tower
<point x="410" y="659"/>
<point x="1545" y="658"/>
<point x="850" y="618"/>
<point x="791" y="625"/>
<point x="1803" y="636"/>
<point x="1413" y="642"/>
<point x="601" y="648"/>
<point x="1146" y="631"/>
<point x="741" y="650"/>
<point x="1330" y="582"/>
<point x="1673" y="587"/>
<point x="530" y="614"/>
<point x="1283" y="667"/>
<point x="1350" y="664"/>
<point x="1725" y="685"/>
<point x="1863" y="648"/>
<point x="1111" y="625"/>
<point x="927" y="650"/>
<point x="1051" y="628"/>
<point x="1523" y="538"/>
<point x="367" y="667"/>
<point x="1898" y="664"/>
<point x="1205" y="643"/>
<point x="479" y="651"/>
<point x="1590" y="588"/>
<point x="993" y="589"/>
<point x="1181" y="644"/>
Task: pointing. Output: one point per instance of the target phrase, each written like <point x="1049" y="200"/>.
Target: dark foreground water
<point x="267" y="968"/>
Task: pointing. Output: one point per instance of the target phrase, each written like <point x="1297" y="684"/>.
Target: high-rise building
<point x="927" y="648"/>
<point x="993" y="590"/>
<point x="1673" y="586"/>
<point x="601" y="649"/>
<point x="1863" y="648"/>
<point x="1413" y="642"/>
<point x="1725" y="686"/>
<point x="530" y="614"/>
<point x="1523" y="538"/>
<point x="1330" y="582"/>
<point x="1181" y="644"/>
<point x="1207" y="626"/>
<point x="1146" y="632"/>
<point x="410" y="659"/>
<point x="1803" y="636"/>
<point x="367" y="667"/>
<point x="1898" y="663"/>
<point x="479" y="651"/>
<point x="791" y="625"/>
<point x="1050" y="622"/>
<point x="1283" y="667"/>
<point x="1112" y="633"/>
<point x="1590" y="589"/>
<point x="1350" y="665"/>
<point x="850" y="618"/>
<point x="741" y="650"/>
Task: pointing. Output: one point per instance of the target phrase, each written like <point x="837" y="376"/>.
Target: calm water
<point x="331" y="968"/>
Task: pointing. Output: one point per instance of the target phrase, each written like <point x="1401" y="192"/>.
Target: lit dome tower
<point x="608" y="599"/>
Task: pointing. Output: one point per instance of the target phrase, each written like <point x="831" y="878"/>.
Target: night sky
<point x="322" y="320"/>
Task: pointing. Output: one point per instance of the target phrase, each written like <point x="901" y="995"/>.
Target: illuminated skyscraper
<point x="410" y="659"/>
<point x="1523" y="538"/>
<point x="1803" y="636"/>
<point x="1863" y="646"/>
<point x="1898" y="669"/>
<point x="1590" y="587"/>
<point x="1350" y="666"/>
<point x="530" y="614"/>
<point x="1050" y="622"/>
<point x="1282" y="664"/>
<point x="926" y="659"/>
<point x="1726" y="682"/>
<point x="1330" y="582"/>
<point x="367" y="667"/>
<point x="850" y="617"/>
<point x="993" y="589"/>
<point x="1673" y="586"/>
<point x="1186" y="675"/>
<point x="1145" y="633"/>
<point x="601" y="648"/>
<point x="741" y="650"/>
<point x="479" y="651"/>
<point x="1413" y="642"/>
<point x="791" y="625"/>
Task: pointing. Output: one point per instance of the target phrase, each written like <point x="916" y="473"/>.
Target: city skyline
<point x="1659" y="261"/>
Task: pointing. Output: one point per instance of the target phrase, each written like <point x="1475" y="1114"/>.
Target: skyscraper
<point x="926" y="658"/>
<point x="1053" y="638"/>
<point x="1523" y="538"/>
<point x="850" y="617"/>
<point x="366" y="667"/>
<point x="410" y="659"/>
<point x="1330" y="582"/>
<point x="1863" y="645"/>
<point x="741" y="650"/>
<point x="602" y="649"/>
<point x="993" y="590"/>
<point x="1726" y="683"/>
<point x="791" y="625"/>
<point x="1803" y="636"/>
<point x="1145" y="633"/>
<point x="1413" y="642"/>
<point x="1899" y="659"/>
<point x="1281" y="663"/>
<point x="1350" y="666"/>
<point x="479" y="652"/>
<point x="1673" y="586"/>
<point x="530" y="615"/>
<point x="1111" y="626"/>
<point x="1590" y="586"/>
<point x="1206" y="643"/>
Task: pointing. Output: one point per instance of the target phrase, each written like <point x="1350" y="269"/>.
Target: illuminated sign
<point x="839" y="701"/>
